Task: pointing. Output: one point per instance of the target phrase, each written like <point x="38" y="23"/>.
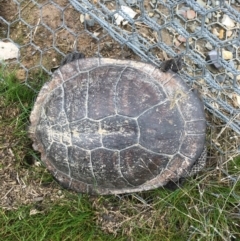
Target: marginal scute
<point x="119" y="132"/>
<point x="144" y="67"/>
<point x="106" y="169"/>
<point x="136" y="93"/>
<point x="58" y="156"/>
<point x="187" y="100"/>
<point x="69" y="70"/>
<point x="63" y="179"/>
<point x="79" y="186"/>
<point x="101" y="93"/>
<point x="80" y="164"/>
<point x="178" y="166"/>
<point x="53" y="107"/>
<point x="196" y="127"/>
<point x="43" y="134"/>
<point x="87" y="64"/>
<point x="191" y="107"/>
<point x="139" y="165"/>
<point x="192" y="146"/>
<point x="161" y="128"/>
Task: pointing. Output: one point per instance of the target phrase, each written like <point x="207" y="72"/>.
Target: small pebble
<point x="206" y="20"/>
<point x="191" y="14"/>
<point x="151" y="14"/>
<point x="213" y="56"/>
<point x="181" y="38"/>
<point x="209" y="46"/>
<point x="228" y="22"/>
<point x="221" y="33"/>
<point x="229" y="33"/>
<point x="227" y="55"/>
<point x="215" y="32"/>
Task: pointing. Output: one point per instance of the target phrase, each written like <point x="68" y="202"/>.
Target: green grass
<point x="205" y="208"/>
<point x="62" y="221"/>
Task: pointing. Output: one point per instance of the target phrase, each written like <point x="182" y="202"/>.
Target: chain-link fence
<point x="206" y="32"/>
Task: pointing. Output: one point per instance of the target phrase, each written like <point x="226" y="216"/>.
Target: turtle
<point x="109" y="126"/>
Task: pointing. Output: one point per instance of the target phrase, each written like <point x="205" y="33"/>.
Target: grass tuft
<point x="62" y="221"/>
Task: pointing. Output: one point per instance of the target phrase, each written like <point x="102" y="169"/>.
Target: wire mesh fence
<point x="206" y="32"/>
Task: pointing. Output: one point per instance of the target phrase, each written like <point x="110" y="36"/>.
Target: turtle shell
<point x="115" y="126"/>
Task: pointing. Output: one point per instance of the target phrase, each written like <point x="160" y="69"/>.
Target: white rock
<point x="228" y="22"/>
<point x="126" y="10"/>
<point x="227" y="54"/>
<point x="229" y="33"/>
<point x="8" y="51"/>
<point x="215" y="32"/>
<point x="151" y="14"/>
<point x="209" y="46"/>
<point x="82" y="18"/>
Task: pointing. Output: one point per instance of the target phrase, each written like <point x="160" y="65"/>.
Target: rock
<point x="21" y="74"/>
<point x="229" y="33"/>
<point x="8" y="51"/>
<point x="176" y="43"/>
<point x="82" y="18"/>
<point x="119" y="19"/>
<point x="221" y="33"/>
<point x="181" y="38"/>
<point x="227" y="54"/>
<point x="208" y="46"/>
<point x="213" y="56"/>
<point x="191" y="14"/>
<point x="151" y="14"/>
<point x="86" y="18"/>
<point x="228" y="22"/>
<point x="215" y="32"/>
